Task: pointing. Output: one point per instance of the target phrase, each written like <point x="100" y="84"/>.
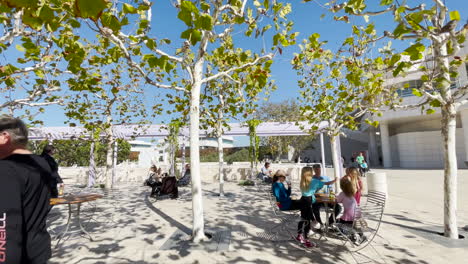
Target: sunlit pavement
<point x="127" y="226"/>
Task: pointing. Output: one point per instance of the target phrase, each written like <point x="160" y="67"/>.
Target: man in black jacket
<point x="56" y="179"/>
<point x="24" y="197"/>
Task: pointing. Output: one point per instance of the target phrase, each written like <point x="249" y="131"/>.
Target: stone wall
<point x="129" y="172"/>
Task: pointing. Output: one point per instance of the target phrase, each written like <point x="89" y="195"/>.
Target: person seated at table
<point x="169" y="186"/>
<point x="186" y="179"/>
<point x="154" y="180"/>
<point x="282" y="194"/>
<point x="355" y="177"/>
<point x="350" y="205"/>
<point x="320" y="183"/>
<point x="266" y="173"/>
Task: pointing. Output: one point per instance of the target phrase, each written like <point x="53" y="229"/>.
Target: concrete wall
<point x="423" y="149"/>
<point x="209" y="172"/>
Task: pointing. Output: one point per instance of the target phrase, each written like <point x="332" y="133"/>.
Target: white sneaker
<point x="315" y="225"/>
<point x="311" y="233"/>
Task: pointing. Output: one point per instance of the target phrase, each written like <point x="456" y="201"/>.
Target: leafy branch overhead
<point x="436" y="37"/>
<point x="436" y="34"/>
<point x="338" y="87"/>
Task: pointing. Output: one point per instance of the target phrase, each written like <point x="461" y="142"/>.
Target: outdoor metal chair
<point x="286" y="218"/>
<point x="366" y="224"/>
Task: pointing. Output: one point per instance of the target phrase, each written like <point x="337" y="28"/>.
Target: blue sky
<point x="306" y="17"/>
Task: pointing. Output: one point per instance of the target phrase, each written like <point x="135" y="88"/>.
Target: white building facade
<point x="157" y="153"/>
<point x="412" y="138"/>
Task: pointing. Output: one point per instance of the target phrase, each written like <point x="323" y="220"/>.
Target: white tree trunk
<point x="109" y="161"/>
<point x="114" y="162"/>
<point x="449" y="126"/>
<point x="183" y="157"/>
<point x="198" y="232"/>
<point x="335" y="160"/>
<point x="221" y="165"/>
<point x="92" y="167"/>
<point x="172" y="153"/>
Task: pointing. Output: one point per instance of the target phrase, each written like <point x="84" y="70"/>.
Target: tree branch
<point x="412" y="106"/>
<point x="108" y="33"/>
<point x="239" y="13"/>
<point x="226" y="73"/>
<point x="16" y="30"/>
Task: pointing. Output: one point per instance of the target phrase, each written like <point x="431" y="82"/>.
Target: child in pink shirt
<point x="346" y="197"/>
<point x="351" y="209"/>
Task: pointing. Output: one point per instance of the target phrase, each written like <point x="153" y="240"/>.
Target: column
<point x="372" y="146"/>
<point x="114" y="162"/>
<point x="386" y="151"/>
<point x="464" y="119"/>
<point x="322" y="151"/>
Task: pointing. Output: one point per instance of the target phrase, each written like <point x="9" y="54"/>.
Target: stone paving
<point x="129" y="227"/>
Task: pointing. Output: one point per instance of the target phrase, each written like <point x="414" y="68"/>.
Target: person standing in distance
<point x="24" y="197"/>
<point x="57" y="181"/>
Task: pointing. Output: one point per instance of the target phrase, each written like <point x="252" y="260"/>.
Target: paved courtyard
<point x="127" y="226"/>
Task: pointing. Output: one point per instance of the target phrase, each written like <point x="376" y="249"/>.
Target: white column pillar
<point x="114" y="162"/>
<point x="322" y="150"/>
<point x="464" y="119"/>
<point x="372" y="146"/>
<point x="386" y="151"/>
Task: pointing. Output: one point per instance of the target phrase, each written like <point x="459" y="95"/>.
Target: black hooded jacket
<point x="24" y="205"/>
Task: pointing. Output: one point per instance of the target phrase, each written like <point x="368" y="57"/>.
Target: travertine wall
<point x="209" y="172"/>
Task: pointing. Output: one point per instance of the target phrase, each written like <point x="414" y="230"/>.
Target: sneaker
<point x="316" y="225"/>
<point x="309" y="244"/>
<point x="311" y="233"/>
<point x="300" y="238"/>
<point x="356" y="239"/>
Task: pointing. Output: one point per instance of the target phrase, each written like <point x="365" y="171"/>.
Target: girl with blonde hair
<point x="346" y="197"/>
<point x="309" y="186"/>
<point x="355" y="177"/>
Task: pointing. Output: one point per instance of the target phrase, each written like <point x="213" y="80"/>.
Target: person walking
<point x="25" y="181"/>
<point x="57" y="181"/>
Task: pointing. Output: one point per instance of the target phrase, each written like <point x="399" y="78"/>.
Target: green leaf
<point x="386" y="2"/>
<point x="417" y="92"/>
<point x="400" y="30"/>
<point x="204" y="22"/>
<point x="21" y="3"/>
<point x="454" y="15"/>
<point x="415" y="51"/>
<point x="430" y="111"/>
<point x="395" y="58"/>
<point x="186" y="17"/>
<point x="31" y="21"/>
<point x="204" y="6"/>
<point x="110" y="21"/>
<point x="46" y="13"/>
<point x="20" y="48"/>
<point x="191" y="34"/>
<point x="435" y="103"/>
<point x="90" y="8"/>
<point x="129" y="9"/>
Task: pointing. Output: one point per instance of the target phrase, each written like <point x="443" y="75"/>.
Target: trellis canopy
<point x="132" y="131"/>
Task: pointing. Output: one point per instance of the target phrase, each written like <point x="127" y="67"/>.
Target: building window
<point x="405" y="89"/>
<point x="161" y="158"/>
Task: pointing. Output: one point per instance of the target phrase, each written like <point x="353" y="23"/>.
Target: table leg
<point x="60" y="236"/>
<point x="79" y="222"/>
